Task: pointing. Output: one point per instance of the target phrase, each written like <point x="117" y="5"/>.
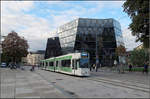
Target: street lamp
<point x="100" y="34"/>
<point x="1" y="46"/>
<point x="96" y="50"/>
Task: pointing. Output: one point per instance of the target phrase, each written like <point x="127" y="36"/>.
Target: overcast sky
<point x="36" y="20"/>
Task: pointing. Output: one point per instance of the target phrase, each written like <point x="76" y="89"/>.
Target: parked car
<point x="3" y="65"/>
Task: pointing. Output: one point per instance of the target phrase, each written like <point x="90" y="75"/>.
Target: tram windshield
<point x="84" y="62"/>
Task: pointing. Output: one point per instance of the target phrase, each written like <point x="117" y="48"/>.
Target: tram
<point x="72" y="64"/>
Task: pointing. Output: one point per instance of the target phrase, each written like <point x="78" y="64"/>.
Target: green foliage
<point x="138" y="10"/>
<point x="14" y="47"/>
<point x="137" y="69"/>
<point x="138" y="57"/>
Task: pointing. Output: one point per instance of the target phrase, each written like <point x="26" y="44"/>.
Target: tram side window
<point x="51" y="63"/>
<point x="77" y="63"/>
<point x="66" y="63"/>
<point x="72" y="64"/>
<point x="56" y="63"/>
<point x="46" y="64"/>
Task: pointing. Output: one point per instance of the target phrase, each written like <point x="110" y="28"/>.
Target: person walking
<point x="32" y="69"/>
<point x="145" y="68"/>
<point x="130" y="68"/>
<point x="118" y="68"/>
<point x="97" y="66"/>
<point x="91" y="67"/>
<point x="115" y="62"/>
<point x="38" y="66"/>
<point x="94" y="66"/>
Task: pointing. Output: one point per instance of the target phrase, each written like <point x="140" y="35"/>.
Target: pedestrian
<point x="145" y="68"/>
<point x="115" y="62"/>
<point x="98" y="65"/>
<point x="91" y="67"/>
<point x="32" y="69"/>
<point x="118" y="68"/>
<point x="130" y="68"/>
<point x="38" y="66"/>
<point x="9" y="65"/>
<point x="94" y="66"/>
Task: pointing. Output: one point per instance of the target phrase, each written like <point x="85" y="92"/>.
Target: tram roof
<point x="63" y="57"/>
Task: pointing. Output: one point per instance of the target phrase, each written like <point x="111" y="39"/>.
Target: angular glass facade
<point x="67" y="34"/>
<point x="53" y="48"/>
<point x="85" y="34"/>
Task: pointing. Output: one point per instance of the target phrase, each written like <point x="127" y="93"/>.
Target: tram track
<point x="121" y="84"/>
<point x="65" y="92"/>
<point x="130" y="85"/>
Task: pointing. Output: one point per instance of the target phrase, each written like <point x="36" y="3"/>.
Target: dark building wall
<point x="90" y="31"/>
<point x="53" y="48"/>
<point x="83" y="33"/>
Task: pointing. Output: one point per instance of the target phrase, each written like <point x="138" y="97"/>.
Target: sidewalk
<point x="26" y="84"/>
<point x="134" y="77"/>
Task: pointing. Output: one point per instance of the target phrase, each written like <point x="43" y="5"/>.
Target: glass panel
<point x="84" y="63"/>
<point x="51" y="63"/>
<point x="56" y="63"/>
<point x="66" y="63"/>
<point x="77" y="64"/>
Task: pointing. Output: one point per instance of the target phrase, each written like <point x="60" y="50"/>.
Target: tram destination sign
<point x="84" y="55"/>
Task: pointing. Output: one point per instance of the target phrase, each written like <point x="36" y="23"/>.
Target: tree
<point x="138" y="57"/>
<point x="138" y="10"/>
<point x="14" y="47"/>
<point x="120" y="50"/>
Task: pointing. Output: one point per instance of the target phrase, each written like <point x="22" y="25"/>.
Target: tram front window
<point x="84" y="63"/>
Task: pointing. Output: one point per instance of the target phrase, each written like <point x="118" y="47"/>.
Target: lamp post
<point x="96" y="50"/>
<point x="1" y="46"/>
<point x="100" y="41"/>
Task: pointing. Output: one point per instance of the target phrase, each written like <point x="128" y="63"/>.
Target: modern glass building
<point x="98" y="37"/>
<point x="53" y="48"/>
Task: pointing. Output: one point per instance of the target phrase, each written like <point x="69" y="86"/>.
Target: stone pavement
<point x="91" y="87"/>
<point x="26" y="84"/>
<point x="133" y="77"/>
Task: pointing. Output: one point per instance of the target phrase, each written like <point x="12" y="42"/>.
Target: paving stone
<point x="21" y="95"/>
<point x="23" y="90"/>
<point x="53" y="95"/>
<point x="25" y="84"/>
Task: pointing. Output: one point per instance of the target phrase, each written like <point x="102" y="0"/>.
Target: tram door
<point x="74" y="66"/>
<point x="44" y="65"/>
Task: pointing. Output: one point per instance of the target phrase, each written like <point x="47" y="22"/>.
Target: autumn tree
<point x="121" y="50"/>
<point x="14" y="47"/>
<point x="138" y="10"/>
<point x="121" y="53"/>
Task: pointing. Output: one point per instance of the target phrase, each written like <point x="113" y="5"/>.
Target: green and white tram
<point x="73" y="64"/>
